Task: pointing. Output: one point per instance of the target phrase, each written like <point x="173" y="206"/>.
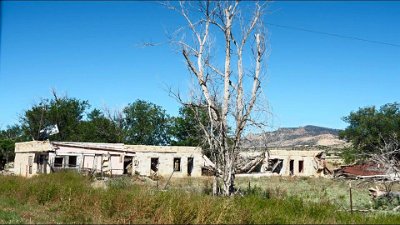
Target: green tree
<point x="6" y="151"/>
<point x="186" y="130"/>
<point x="14" y="132"/>
<point x="370" y="128"/>
<point x="8" y="137"/>
<point x="99" y="128"/>
<point x="66" y="112"/>
<point x="146" y="123"/>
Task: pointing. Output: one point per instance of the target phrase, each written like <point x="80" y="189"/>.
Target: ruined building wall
<point x="298" y="163"/>
<point x="168" y="163"/>
<point x="27" y="157"/>
<point x="24" y="164"/>
<point x="114" y="159"/>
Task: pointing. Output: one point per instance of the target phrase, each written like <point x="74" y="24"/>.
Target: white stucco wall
<point x="166" y="163"/>
<point x="21" y="164"/>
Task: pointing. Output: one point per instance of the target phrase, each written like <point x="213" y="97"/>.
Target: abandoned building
<point x="36" y="157"/>
<point x="286" y="163"/>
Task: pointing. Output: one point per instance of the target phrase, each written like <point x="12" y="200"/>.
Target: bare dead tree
<point x="389" y="155"/>
<point x="228" y="92"/>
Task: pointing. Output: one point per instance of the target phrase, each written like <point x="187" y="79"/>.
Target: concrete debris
<point x="377" y="193"/>
<point x="361" y="171"/>
<point x="249" y="164"/>
<point x="8" y="169"/>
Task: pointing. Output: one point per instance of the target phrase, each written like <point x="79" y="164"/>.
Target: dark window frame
<point x="58" y="165"/>
<point x="76" y="161"/>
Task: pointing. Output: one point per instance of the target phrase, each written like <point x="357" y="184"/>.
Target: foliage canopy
<point x="370" y="128"/>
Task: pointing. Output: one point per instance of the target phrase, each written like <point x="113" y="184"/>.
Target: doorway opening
<point x="190" y="166"/>
<point x="291" y="167"/>
<point x="42" y="163"/>
<point x="128" y="164"/>
<point x="301" y="166"/>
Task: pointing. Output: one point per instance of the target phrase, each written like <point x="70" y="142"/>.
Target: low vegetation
<point x="71" y="198"/>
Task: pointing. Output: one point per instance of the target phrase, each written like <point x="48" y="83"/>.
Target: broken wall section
<point x="286" y="162"/>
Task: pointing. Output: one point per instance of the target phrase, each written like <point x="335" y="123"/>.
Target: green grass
<point x="10" y="217"/>
<point x="70" y="198"/>
<point x="310" y="189"/>
<point x="314" y="189"/>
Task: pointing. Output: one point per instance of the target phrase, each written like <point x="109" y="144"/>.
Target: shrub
<point x="386" y="202"/>
<point x="119" y="183"/>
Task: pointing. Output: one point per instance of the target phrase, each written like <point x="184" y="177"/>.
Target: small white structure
<point x="32" y="158"/>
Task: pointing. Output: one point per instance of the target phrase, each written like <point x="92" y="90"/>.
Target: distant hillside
<point x="297" y="136"/>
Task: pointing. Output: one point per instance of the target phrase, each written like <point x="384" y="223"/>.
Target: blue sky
<point x="91" y="50"/>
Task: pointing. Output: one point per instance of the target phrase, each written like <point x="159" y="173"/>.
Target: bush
<point x="386" y="202"/>
<point x="119" y="183"/>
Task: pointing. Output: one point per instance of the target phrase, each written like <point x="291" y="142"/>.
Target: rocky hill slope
<point x="297" y="136"/>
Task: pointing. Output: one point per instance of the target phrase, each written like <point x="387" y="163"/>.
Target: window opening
<point x="154" y="165"/>
<point x="58" y="161"/>
<point x="275" y="165"/>
<point x="72" y="161"/>
<point x="177" y="164"/>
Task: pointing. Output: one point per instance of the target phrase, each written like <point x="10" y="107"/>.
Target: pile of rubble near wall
<point x="8" y="169"/>
<point x="243" y="164"/>
<point x="249" y="164"/>
<point x="361" y="171"/>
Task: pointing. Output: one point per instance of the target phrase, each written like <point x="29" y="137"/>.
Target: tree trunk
<point x="215" y="186"/>
<point x="229" y="181"/>
<point x="229" y="175"/>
